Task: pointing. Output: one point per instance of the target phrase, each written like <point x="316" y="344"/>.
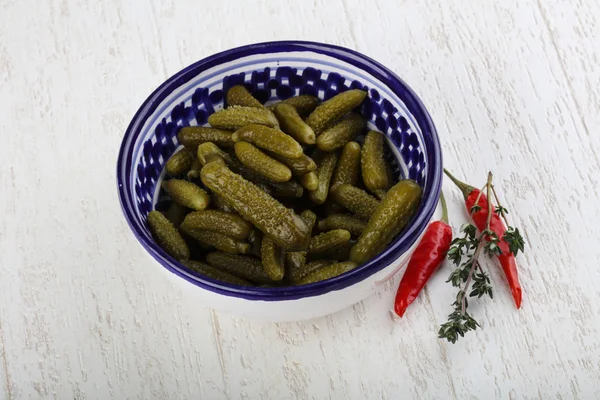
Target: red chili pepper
<point x="426" y="258"/>
<point x="507" y="259"/>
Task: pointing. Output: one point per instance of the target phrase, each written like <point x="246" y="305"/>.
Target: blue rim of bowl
<point x="399" y="246"/>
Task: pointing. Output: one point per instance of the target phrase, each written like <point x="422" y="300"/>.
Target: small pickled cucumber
<point x="194" y="172"/>
<point x="333" y="109"/>
<point x="299" y="166"/>
<point x="167" y="236"/>
<point x="391" y="216"/>
<point x="372" y="163"/>
<point x="341" y="133"/>
<point x="327" y="272"/>
<point x="296" y="259"/>
<point x="176" y="213"/>
<point x="180" y="162"/>
<point x="238" y="95"/>
<point x="325" y="170"/>
<point x="269" y="139"/>
<point x="304" y="104"/>
<point x="272" y="259"/>
<point x="192" y="136"/>
<point x="245" y="266"/>
<point x="331" y="206"/>
<point x="208" y="151"/>
<point x="187" y="194"/>
<point x="290" y="189"/>
<point x="236" y="117"/>
<point x="350" y="223"/>
<point x="306" y="268"/>
<point x="356" y="200"/>
<point x="215" y="273"/>
<point x="217" y="240"/>
<point x="348" y="166"/>
<point x="229" y="224"/>
<point x="327" y="242"/>
<point x="292" y="124"/>
<point x="285" y="227"/>
<point x="341" y="253"/>
<point x="310" y="181"/>
<point x="256" y="160"/>
<point x="220" y="204"/>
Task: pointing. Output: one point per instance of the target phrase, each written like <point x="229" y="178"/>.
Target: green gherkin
<point x="327" y="242"/>
<point x="348" y="166"/>
<point x="245" y="266"/>
<point x="229" y="224"/>
<point x="327" y="272"/>
<point x="167" y="236"/>
<point x="306" y="268"/>
<point x="372" y="163"/>
<point x="272" y="259"/>
<point x="304" y="104"/>
<point x="217" y="240"/>
<point x="259" y="162"/>
<point x="256" y="206"/>
<point x="341" y="133"/>
<point x="350" y="223"/>
<point x="238" y="95"/>
<point x="193" y="136"/>
<point x="269" y="139"/>
<point x="356" y="200"/>
<point x="390" y="217"/>
<point x="292" y="124"/>
<point x="324" y="172"/>
<point x="310" y="181"/>
<point x="294" y="260"/>
<point x="299" y="166"/>
<point x="215" y="273"/>
<point x="187" y="194"/>
<point x="180" y="162"/>
<point x="333" y="109"/>
<point x="236" y="117"/>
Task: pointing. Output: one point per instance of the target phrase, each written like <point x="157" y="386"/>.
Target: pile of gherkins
<point x="281" y="195"/>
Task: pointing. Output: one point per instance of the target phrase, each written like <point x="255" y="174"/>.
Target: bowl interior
<point x="272" y="72"/>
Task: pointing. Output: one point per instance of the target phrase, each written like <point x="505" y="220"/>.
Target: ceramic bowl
<point x="274" y="71"/>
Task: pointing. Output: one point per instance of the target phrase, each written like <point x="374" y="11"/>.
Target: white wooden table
<point x="513" y="86"/>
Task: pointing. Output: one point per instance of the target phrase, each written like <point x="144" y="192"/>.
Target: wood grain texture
<point x="512" y="86"/>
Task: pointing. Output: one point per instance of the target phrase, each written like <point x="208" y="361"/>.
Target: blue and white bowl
<point x="275" y="71"/>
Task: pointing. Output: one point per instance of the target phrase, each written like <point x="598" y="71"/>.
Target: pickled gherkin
<point x="238" y="95"/>
<point x="304" y="104"/>
<point x="180" y="162"/>
<point x="290" y="189"/>
<point x="306" y="268"/>
<point x="324" y="172"/>
<point x="372" y="163"/>
<point x="194" y="172"/>
<point x="356" y="200"/>
<point x="272" y="259"/>
<point x="310" y="181"/>
<point x="352" y="224"/>
<point x="229" y="224"/>
<point x="299" y="166"/>
<point x="269" y="139"/>
<point x="327" y="272"/>
<point x="236" y="117"/>
<point x="219" y="204"/>
<point x="341" y="133"/>
<point x="294" y="260"/>
<point x="215" y="273"/>
<point x="292" y="124"/>
<point x="217" y="240"/>
<point x="270" y="216"/>
<point x="327" y="242"/>
<point x="186" y="193"/>
<point x="348" y="166"/>
<point x="256" y="160"/>
<point x="208" y="151"/>
<point x="255" y="241"/>
<point x="167" y="236"/>
<point x="176" y="213"/>
<point x="333" y="109"/>
<point x="247" y="267"/>
<point x="390" y="217"/>
<point x="192" y="136"/>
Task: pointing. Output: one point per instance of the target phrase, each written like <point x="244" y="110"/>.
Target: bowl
<point x="274" y="71"/>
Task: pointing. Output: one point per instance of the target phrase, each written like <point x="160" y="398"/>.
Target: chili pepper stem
<point x="464" y="188"/>
<point x="444" y="207"/>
